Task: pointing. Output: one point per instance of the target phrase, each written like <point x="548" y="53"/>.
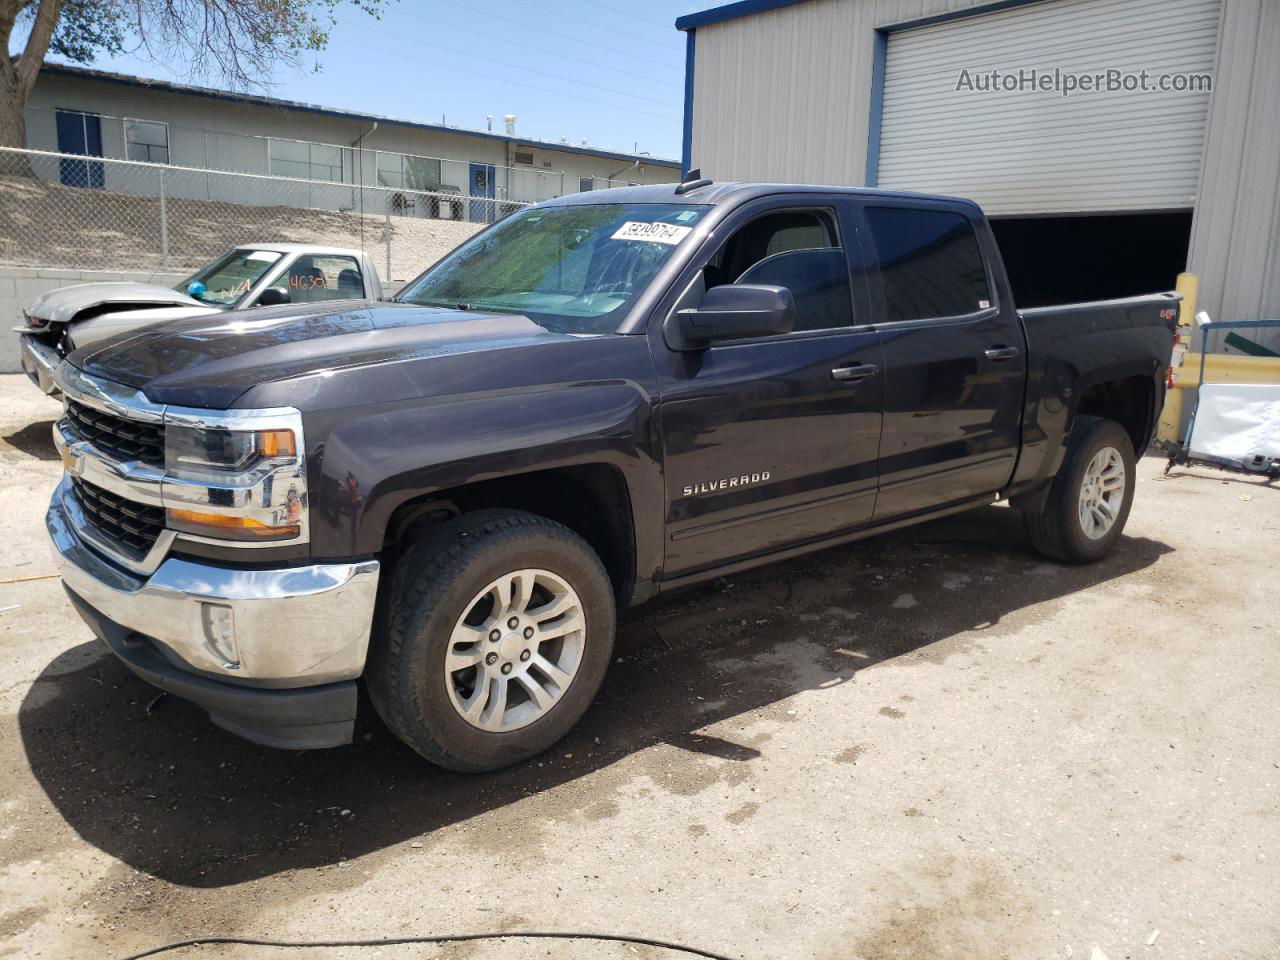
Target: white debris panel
<point x="1237" y="421"/>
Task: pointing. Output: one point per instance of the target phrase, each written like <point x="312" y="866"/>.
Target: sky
<point x="612" y="73"/>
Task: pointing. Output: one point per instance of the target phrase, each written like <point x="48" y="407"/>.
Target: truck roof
<point x="729" y="192"/>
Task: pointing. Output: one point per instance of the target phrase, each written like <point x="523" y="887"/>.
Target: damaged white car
<point x="253" y="275"/>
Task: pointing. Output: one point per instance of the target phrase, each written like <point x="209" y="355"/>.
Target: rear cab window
<point x="931" y="266"/>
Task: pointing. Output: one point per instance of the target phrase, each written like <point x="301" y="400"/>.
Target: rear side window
<point x="930" y="264"/>
<point x="315" y="277"/>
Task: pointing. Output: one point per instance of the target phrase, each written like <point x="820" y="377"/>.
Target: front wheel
<point x="498" y="631"/>
<point x="1090" y="498"/>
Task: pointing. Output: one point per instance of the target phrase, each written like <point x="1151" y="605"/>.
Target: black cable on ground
<point x="437" y="938"/>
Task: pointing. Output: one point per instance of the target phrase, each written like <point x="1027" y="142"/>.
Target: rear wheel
<point x="1090" y="498"/>
<point x="498" y="632"/>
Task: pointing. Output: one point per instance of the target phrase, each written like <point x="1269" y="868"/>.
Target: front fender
<point x="375" y="462"/>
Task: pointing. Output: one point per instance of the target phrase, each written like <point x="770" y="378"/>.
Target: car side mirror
<point x="272" y="296"/>
<point x="733" y="312"/>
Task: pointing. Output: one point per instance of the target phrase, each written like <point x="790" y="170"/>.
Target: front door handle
<point x="855" y="371"/>
<point x="1002" y="353"/>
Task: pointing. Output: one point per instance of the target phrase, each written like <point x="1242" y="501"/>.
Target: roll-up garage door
<point x="1036" y="151"/>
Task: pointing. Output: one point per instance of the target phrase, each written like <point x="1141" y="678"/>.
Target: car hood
<point x="59" y="306"/>
<point x="211" y="361"/>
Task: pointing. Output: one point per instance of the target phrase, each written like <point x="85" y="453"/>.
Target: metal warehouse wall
<point x="1235" y="235"/>
<point x="786" y="95"/>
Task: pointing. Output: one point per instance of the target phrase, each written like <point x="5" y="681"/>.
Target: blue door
<point x="79" y="133"/>
<point x="482" y="193"/>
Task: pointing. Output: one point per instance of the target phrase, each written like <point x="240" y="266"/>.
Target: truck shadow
<point x="174" y="797"/>
<point x="35" y="440"/>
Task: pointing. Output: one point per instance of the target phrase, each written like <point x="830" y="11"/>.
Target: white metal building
<point x="1093" y="192"/>
<point x="90" y="112"/>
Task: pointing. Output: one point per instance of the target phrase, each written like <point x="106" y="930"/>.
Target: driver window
<point x="796" y="249"/>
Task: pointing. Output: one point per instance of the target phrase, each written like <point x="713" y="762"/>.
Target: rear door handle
<point x="855" y="371"/>
<point x="1002" y="353"/>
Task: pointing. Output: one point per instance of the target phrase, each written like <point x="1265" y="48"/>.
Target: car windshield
<point x="571" y="269"/>
<point x="226" y="280"/>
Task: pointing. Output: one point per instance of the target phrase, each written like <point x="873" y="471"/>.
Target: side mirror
<point x="272" y="296"/>
<point x="733" y="312"/>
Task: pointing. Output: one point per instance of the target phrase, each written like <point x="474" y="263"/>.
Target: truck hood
<point x="210" y="361"/>
<point x="59" y="306"/>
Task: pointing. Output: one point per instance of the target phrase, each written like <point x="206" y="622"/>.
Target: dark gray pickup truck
<point x="596" y="399"/>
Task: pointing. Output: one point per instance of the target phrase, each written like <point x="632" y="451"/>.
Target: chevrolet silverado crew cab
<point x="251" y="275"/>
<point x="596" y="399"/>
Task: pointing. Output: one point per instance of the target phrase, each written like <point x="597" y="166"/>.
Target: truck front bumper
<point x="272" y="655"/>
<point x="39" y="361"/>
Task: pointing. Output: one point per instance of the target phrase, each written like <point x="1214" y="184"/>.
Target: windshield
<point x="573" y="269"/>
<point x="227" y="280"/>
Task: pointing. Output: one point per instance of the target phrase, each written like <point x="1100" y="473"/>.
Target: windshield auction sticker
<point x="668" y="233"/>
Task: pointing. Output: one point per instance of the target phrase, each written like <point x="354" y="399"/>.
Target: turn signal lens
<point x="276" y="443"/>
<point x="227" y="527"/>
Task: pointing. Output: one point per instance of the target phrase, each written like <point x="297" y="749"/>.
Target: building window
<point x="585" y="184"/>
<point x="146" y="140"/>
<point x="407" y="172"/>
<point x="306" y="161"/>
<point x="524" y="157"/>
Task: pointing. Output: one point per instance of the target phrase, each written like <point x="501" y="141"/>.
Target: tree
<point x="237" y="42"/>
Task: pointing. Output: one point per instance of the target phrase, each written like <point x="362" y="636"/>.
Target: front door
<point x="81" y="134"/>
<point x="772" y="442"/>
<point x="955" y="361"/>
<point x="482" y="193"/>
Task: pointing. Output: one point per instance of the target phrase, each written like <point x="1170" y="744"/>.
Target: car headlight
<point x="228" y="483"/>
<point x="200" y="451"/>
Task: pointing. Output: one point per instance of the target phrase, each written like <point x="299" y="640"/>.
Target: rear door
<point x="772" y="441"/>
<point x="955" y="360"/>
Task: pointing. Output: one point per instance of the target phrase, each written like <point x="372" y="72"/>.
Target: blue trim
<point x="731" y="11"/>
<point x="686" y="149"/>
<point x="879" y="53"/>
<point x="59" y="69"/>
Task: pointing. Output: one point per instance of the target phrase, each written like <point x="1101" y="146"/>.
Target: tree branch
<point x="28" y="65"/>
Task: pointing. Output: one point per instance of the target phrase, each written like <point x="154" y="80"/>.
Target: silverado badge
<point x="724" y="483"/>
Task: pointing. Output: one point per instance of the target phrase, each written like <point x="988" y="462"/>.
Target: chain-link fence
<point x="96" y="213"/>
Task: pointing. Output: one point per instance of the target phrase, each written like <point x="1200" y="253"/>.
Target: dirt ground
<point x="933" y="745"/>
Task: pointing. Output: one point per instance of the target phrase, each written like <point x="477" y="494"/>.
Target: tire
<point x="448" y="586"/>
<point x="1059" y="532"/>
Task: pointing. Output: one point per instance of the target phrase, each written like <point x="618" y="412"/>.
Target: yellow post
<point x="1169" y="429"/>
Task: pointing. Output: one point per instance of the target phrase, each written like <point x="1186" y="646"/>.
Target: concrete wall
<point x="20" y="285"/>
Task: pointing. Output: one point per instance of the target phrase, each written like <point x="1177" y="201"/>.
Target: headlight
<point x="200" y="451"/>
<point x="233" y="482"/>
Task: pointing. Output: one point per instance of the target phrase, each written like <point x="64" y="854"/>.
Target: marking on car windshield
<point x="656" y="232"/>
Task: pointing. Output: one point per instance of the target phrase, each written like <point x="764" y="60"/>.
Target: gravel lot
<point x="931" y="745"/>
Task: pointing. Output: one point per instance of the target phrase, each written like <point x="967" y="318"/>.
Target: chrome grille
<point x="133" y="525"/>
<point x="126" y="439"/>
